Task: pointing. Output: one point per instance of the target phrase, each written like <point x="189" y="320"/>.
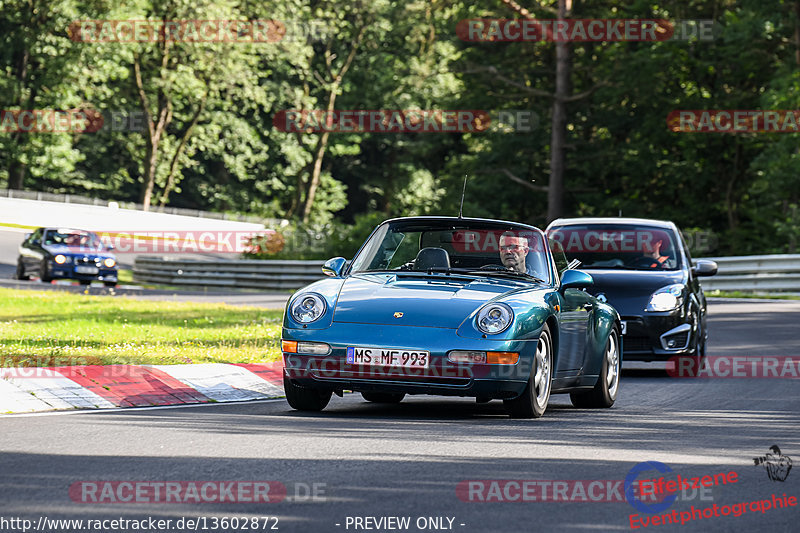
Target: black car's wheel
<point x="20" y="274"/>
<point x="44" y="273"/>
<point x="383" y="397"/>
<point x="303" y="398"/>
<point x="110" y="283"/>
<point x="532" y="403"/>
<point x="604" y="393"/>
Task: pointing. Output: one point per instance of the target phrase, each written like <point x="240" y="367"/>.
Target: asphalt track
<point x="407" y="460"/>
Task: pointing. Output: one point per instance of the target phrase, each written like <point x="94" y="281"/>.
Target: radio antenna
<point x="464" y="190"/>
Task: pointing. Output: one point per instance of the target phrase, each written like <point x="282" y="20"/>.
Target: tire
<point x="85" y="281"/>
<point x="43" y="274"/>
<point x="383" y="397"/>
<point x="20" y="274"/>
<point x="304" y="398"/>
<point x="604" y="393"/>
<point x="110" y="283"/>
<point x="532" y="403"/>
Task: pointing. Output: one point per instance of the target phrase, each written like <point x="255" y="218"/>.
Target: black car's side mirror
<point x="703" y="267"/>
<point x="334" y="267"/>
<point x="576" y="279"/>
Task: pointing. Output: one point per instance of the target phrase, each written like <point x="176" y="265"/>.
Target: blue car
<point x="62" y="253"/>
<point x="452" y="306"/>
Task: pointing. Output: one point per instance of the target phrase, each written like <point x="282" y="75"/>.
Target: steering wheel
<point x="494" y="267"/>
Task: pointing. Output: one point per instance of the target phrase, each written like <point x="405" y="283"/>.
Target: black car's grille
<point x="636" y="344"/>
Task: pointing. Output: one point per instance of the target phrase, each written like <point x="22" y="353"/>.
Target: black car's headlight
<point x="495" y="318"/>
<point x="666" y="298"/>
<point x="308" y="307"/>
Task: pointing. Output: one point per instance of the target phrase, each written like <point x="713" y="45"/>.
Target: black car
<point x="59" y="253"/>
<point x="642" y="268"/>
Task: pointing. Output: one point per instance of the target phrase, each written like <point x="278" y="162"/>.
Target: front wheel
<point x="44" y="275"/>
<point x="304" y="398"/>
<point x="532" y="403"/>
<point x="604" y="393"/>
<point x="383" y="397"/>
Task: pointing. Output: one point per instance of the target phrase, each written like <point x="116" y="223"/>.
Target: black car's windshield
<point x="465" y="247"/>
<point x="618" y="246"/>
<point x="71" y="238"/>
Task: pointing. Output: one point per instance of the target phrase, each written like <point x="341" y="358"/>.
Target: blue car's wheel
<point x="383" y="397"/>
<point x="532" y="403"/>
<point x="604" y="393"/>
<point x="21" y="272"/>
<point x="303" y="398"/>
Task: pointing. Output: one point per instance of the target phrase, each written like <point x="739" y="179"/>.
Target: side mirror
<point x="334" y="267"/>
<point x="37" y="242"/>
<point x="703" y="267"/>
<point x="576" y="279"/>
<point x="110" y="246"/>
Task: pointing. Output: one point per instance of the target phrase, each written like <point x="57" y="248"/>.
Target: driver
<point x="652" y="253"/>
<point x="513" y="250"/>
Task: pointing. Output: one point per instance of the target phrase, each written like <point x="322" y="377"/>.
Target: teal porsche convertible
<point x="452" y="306"/>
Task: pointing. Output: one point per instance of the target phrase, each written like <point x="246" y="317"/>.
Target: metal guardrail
<point x="84" y="200"/>
<point x="243" y="274"/>
<point x="756" y="273"/>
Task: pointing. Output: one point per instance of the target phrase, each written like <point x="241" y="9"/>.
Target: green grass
<point x="55" y="328"/>
<point x="740" y="294"/>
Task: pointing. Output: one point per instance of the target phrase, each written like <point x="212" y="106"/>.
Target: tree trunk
<point x="316" y="172"/>
<point x="558" y="138"/>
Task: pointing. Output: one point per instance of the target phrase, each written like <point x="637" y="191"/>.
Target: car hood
<point x="629" y="290"/>
<point x="432" y="301"/>
<point x="75" y="251"/>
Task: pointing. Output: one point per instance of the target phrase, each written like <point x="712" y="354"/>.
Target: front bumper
<point x="67" y="271"/>
<point x="442" y="377"/>
<point x="658" y="336"/>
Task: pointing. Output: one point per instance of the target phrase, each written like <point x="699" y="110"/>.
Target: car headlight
<point x="308" y="308"/>
<point x="495" y="318"/>
<point x="109" y="262"/>
<point x="666" y="298"/>
<point x="60" y="259"/>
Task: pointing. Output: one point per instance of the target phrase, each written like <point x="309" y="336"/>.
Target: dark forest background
<point x="207" y="139"/>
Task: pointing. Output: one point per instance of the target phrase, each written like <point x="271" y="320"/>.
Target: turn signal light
<point x="289" y="346"/>
<point x="502" y="358"/>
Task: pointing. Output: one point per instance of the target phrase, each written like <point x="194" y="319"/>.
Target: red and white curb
<point x="25" y="390"/>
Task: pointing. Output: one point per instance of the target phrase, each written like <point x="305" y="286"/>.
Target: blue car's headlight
<point x="308" y="307"/>
<point x="495" y="318"/>
<point x="666" y="298"/>
<point x="62" y="259"/>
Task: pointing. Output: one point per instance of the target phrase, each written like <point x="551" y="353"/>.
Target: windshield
<point x="72" y="238"/>
<point x="468" y="247"/>
<point x="621" y="246"/>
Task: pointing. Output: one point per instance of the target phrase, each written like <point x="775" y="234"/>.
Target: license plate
<point x="86" y="270"/>
<point x="388" y="357"/>
<point x="623" y="326"/>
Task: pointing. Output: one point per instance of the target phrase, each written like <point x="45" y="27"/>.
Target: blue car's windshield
<point x="424" y="246"/>
<point x="618" y="246"/>
<point x="72" y="238"/>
